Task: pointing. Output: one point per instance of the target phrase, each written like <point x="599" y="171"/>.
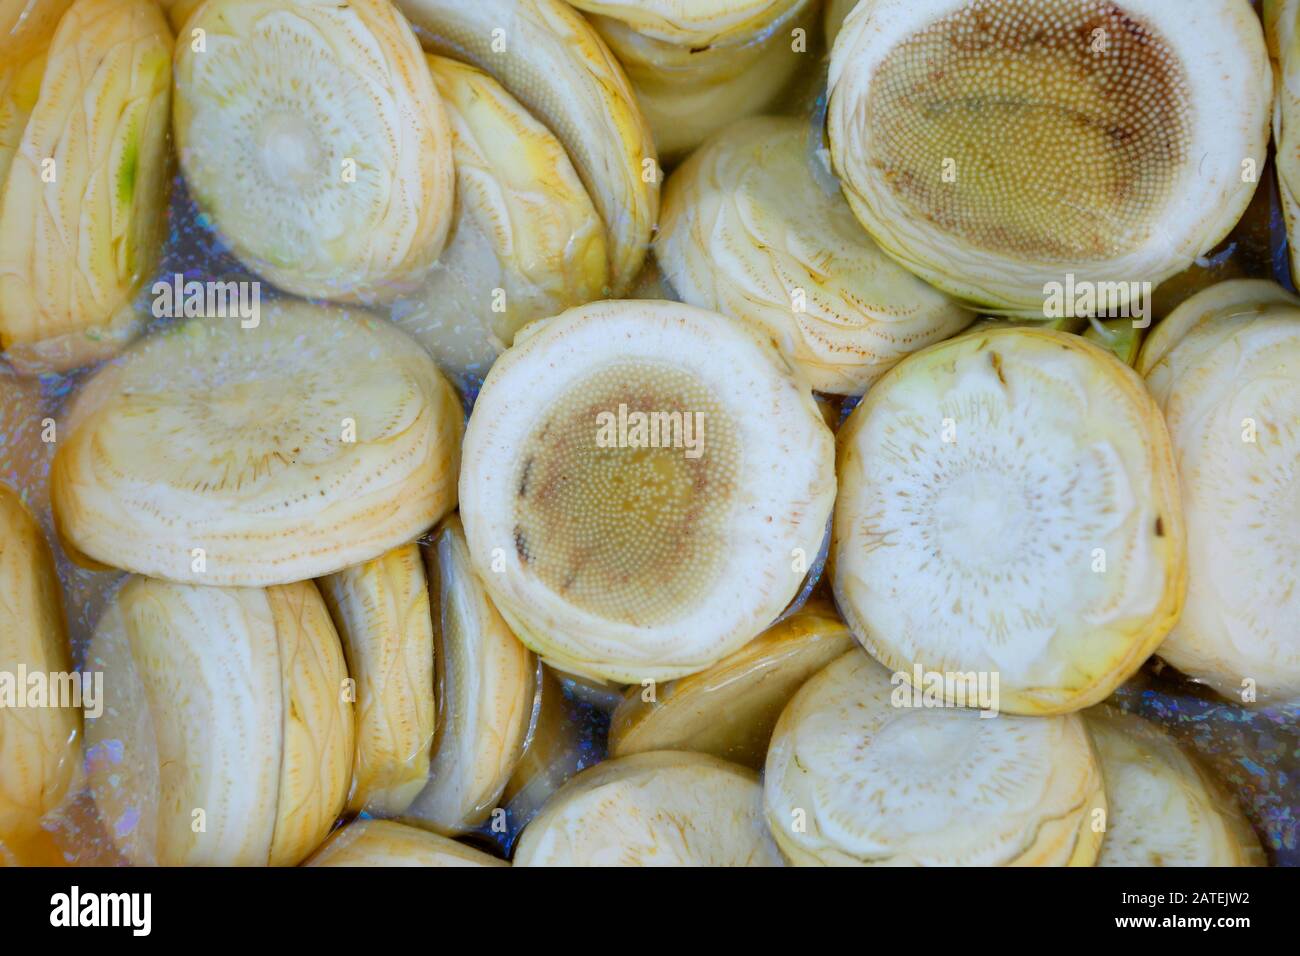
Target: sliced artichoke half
<point x="385" y="843"/>
<point x="746" y="230"/>
<point x="730" y="709"/>
<point x="381" y="611"/>
<point x="634" y="511"/>
<point x="1009" y="507"/>
<point x="226" y="737"/>
<point x="996" y="146"/>
<point x="1163" y="808"/>
<point x="852" y="779"/>
<point x="486" y="693"/>
<point x="1223" y="368"/>
<point x="653" y="809"/>
<point x="39" y="745"/>
<point x="82" y="207"/>
<point x="697" y="65"/>
<point x="313" y="136"/>
<point x="216" y="454"/>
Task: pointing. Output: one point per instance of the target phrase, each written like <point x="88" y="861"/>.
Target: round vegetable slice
<point x="312" y="135"/>
<point x="1164" y="808"/>
<point x="82" y="215"/>
<point x="854" y="779"/>
<point x="730" y="709"/>
<point x="385" y="843"/>
<point x="746" y="230"/>
<point x="486" y="693"/>
<point x="1223" y="368"/>
<point x="216" y="454"/>
<point x="634" y="510"/>
<point x="653" y="809"/>
<point x="381" y="611"/>
<point x="39" y="745"/>
<point x="1008" y="505"/>
<point x="995" y="146"/>
<point x="526" y="242"/>
<point x="226" y="738"/>
<point x="699" y="64"/>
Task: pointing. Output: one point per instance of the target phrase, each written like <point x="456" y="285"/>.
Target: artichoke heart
<point x="82" y="210"/>
<point x="696" y="65"/>
<point x="854" y="780"/>
<point x="39" y="745"/>
<point x="312" y="135"/>
<point x="487" y="690"/>
<point x="226" y="737"/>
<point x="653" y="809"/>
<point x="1223" y="369"/>
<point x="730" y="709"/>
<point x="746" y="230"/>
<point x="216" y="454"/>
<point x="996" y="147"/>
<point x="526" y="242"/>
<point x="385" y="843"/>
<point x="633" y="513"/>
<point x="1009" y="506"/>
<point x="545" y="55"/>
<point x="1163" y="808"/>
<point x="381" y="611"/>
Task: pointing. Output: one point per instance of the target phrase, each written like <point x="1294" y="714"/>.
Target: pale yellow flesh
<point x="551" y="60"/>
<point x="653" y="809"/>
<point x="313" y="136"/>
<point x="730" y="709"/>
<point x="857" y="777"/>
<point x="1009" y="505"/>
<point x="39" y="745"/>
<point x="526" y="242"/>
<point x="385" y="843"/>
<point x="226" y="738"/>
<point x="287" y="456"/>
<point x="1164" y="809"/>
<point x="748" y="230"/>
<point x="78" y="236"/>
<point x="381" y="610"/>
<point x="486" y="690"/>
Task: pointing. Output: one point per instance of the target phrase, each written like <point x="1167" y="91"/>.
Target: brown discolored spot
<point x="1160" y="526"/>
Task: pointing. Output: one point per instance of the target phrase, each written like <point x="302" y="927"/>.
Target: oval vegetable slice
<point x="551" y="60"/>
<point x="632" y="510"/>
<point x="82" y="213"/>
<point x="1164" y="809"/>
<point x="1008" y="505"/>
<point x="226" y="738"/>
<point x="853" y="779"/>
<point x="653" y="809"/>
<point x="698" y="65"/>
<point x="385" y="843"/>
<point x="1223" y="369"/>
<point x="995" y="146"/>
<point x="486" y="691"/>
<point x="381" y="611"/>
<point x="39" y="745"/>
<point x="223" y="455"/>
<point x="526" y="242"/>
<point x="746" y="230"/>
<point x="730" y="709"/>
<point x="312" y="135"/>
